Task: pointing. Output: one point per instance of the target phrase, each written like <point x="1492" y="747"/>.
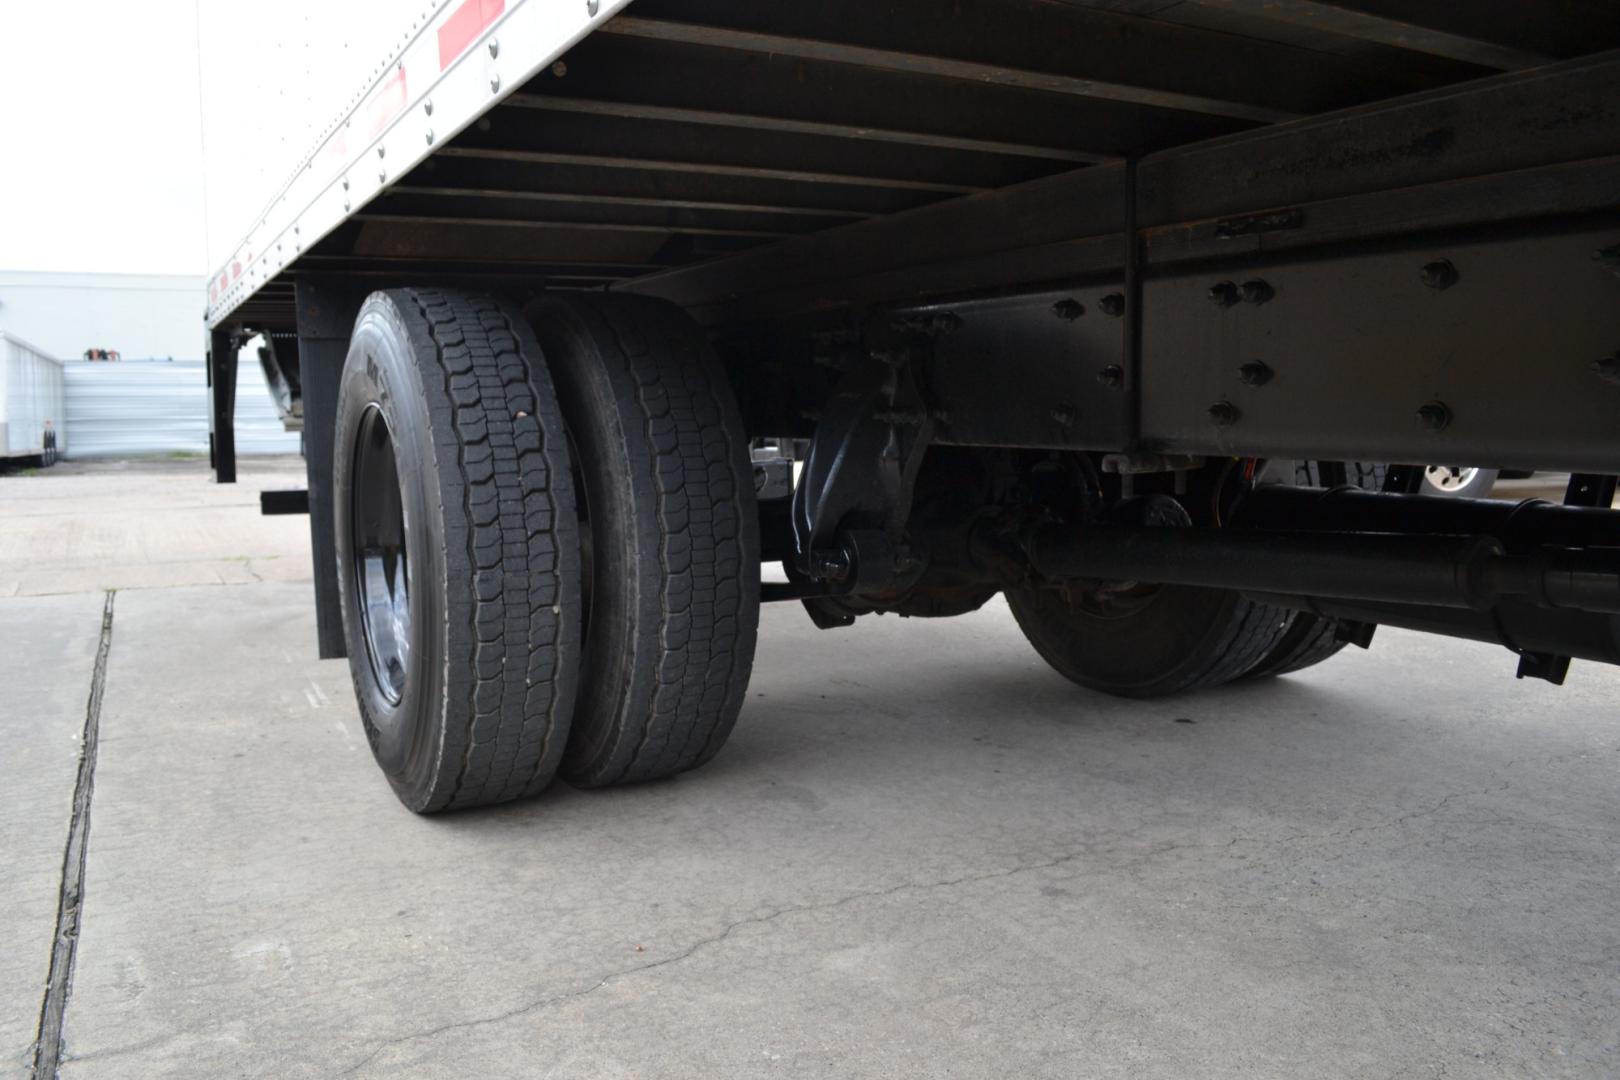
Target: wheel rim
<point x="1450" y="477"/>
<point x="1109" y="600"/>
<point x="381" y="560"/>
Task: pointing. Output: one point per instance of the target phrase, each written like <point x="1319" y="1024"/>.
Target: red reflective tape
<point x="464" y="25"/>
<point x="388" y="103"/>
<point x="236" y="270"/>
<point x="336" y="149"/>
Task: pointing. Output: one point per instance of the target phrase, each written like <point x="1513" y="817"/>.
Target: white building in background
<point x="143" y="316"/>
<point x="154" y="399"/>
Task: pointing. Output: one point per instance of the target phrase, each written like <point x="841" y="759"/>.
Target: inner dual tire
<point x="514" y="607"/>
<point x="666" y="487"/>
<point x="1152" y="641"/>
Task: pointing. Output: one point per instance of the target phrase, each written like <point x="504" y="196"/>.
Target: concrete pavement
<point x="43" y="691"/>
<point x="922" y="854"/>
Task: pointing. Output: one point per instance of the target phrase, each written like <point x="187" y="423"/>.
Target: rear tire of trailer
<point x="671" y="533"/>
<point x="1311" y="639"/>
<point x="457" y="548"/>
<point x="1168" y="639"/>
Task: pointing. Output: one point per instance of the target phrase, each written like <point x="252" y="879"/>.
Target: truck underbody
<point x="1098" y="304"/>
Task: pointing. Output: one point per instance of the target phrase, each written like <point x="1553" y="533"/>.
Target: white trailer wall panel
<point x="30" y="398"/>
<point x="141" y="407"/>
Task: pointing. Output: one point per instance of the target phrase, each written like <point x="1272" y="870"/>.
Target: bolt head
<point x="494" y="84"/>
<point x="1112" y="305"/>
<point x="831" y="566"/>
<point x="592" y="6"/>
<point x="1224" y="414"/>
<point x="1439" y="274"/>
<point x="1607" y="369"/>
<point x="1257" y="291"/>
<point x="1434" y="416"/>
<point x="1223" y="294"/>
<point x="1064" y="415"/>
<point x="1068" y="310"/>
<point x="494" y="47"/>
<point x="1255" y="373"/>
<point x="1111" y="375"/>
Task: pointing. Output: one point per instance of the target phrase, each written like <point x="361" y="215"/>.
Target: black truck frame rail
<point x="1433" y="278"/>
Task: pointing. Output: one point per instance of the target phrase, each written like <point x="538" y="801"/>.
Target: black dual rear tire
<point x="1152" y="641"/>
<point x="475" y="546"/>
<point x="672" y="532"/>
<point x="1168" y="639"/>
<point x="1311" y="639"/>
<point x="457" y="547"/>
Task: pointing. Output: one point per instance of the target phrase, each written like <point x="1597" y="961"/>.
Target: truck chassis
<point x="1060" y="301"/>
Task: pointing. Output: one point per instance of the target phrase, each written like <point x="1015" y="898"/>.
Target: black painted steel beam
<point x="1502" y="34"/>
<point x="659" y="71"/>
<point x="759" y="121"/>
<point x="945" y="67"/>
<point x="1107" y="55"/>
<point x="1545" y="119"/>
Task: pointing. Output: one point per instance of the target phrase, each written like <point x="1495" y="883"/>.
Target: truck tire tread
<point x="682" y="663"/>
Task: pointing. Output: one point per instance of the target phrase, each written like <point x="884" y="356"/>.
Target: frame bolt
<point x="494" y="47"/>
<point x="830" y="565"/>
<point x="1257" y="291"/>
<point x="1224" y="294"/>
<point x="1439" y="274"/>
<point x="1068" y="310"/>
<point x="1607" y="369"/>
<point x="1224" y="413"/>
<point x="1111" y="375"/>
<point x="1434" y="416"/>
<point x="1064" y="415"/>
<point x="1255" y="373"/>
<point x="592" y="6"/>
<point x="1112" y="305"/>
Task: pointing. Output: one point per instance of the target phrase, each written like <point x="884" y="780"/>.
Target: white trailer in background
<point x="31" y="401"/>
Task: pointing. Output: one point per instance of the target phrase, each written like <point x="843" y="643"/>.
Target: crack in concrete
<point x="70" y="902"/>
<point x="870" y="894"/>
<point x="702" y="943"/>
<point x="121" y="1051"/>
